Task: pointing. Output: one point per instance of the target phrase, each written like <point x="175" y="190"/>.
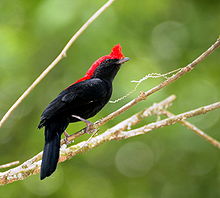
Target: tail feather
<point x="51" y="150"/>
<point x="50" y="157"/>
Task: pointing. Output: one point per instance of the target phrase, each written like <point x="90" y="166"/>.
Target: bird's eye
<point x="107" y="60"/>
<point x="110" y="61"/>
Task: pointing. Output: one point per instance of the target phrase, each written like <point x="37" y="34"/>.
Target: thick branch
<point x="56" y="61"/>
<point x="133" y="120"/>
<point x="32" y="166"/>
<point x="9" y="164"/>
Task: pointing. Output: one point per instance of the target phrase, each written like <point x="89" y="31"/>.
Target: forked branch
<point x="194" y="129"/>
<point x="118" y="132"/>
<point x="121" y="130"/>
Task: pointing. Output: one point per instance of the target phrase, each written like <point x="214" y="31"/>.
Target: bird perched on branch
<point x="78" y="102"/>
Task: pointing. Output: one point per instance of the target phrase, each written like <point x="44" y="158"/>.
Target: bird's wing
<point x="85" y="92"/>
<point x="76" y="95"/>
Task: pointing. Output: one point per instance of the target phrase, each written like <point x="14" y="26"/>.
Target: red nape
<point x="116" y="53"/>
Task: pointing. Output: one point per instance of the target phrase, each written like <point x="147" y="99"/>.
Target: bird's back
<point x="84" y="99"/>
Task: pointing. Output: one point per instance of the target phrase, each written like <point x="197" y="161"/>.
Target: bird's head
<point x="106" y="67"/>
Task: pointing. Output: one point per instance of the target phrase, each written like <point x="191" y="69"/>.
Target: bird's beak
<point x="123" y="60"/>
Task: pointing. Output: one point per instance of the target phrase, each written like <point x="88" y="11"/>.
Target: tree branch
<point x="168" y="121"/>
<point x="144" y="95"/>
<point x="32" y="165"/>
<point x="117" y="132"/>
<point x="165" y="83"/>
<point x="56" y="61"/>
<point x="194" y="129"/>
<point x="9" y="164"/>
<point x="131" y="121"/>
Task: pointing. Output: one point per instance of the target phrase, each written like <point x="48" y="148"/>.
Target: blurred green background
<point x="158" y="36"/>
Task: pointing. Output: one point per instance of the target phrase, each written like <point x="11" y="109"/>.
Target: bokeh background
<point x="158" y="36"/>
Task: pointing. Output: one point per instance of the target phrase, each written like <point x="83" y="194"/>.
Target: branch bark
<point x="56" y="61"/>
<point x="165" y="83"/>
<point x="131" y="121"/>
<point x="195" y="129"/>
<point x="9" y="164"/>
<point x="121" y="130"/>
<point x="144" y="95"/>
<point x="168" y="121"/>
<point x="118" y="132"/>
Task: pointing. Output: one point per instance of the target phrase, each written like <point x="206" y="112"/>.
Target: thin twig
<point x="9" y="164"/>
<point x="32" y="166"/>
<point x="194" y="129"/>
<point x="170" y="80"/>
<point x="138" y="83"/>
<point x="168" y="121"/>
<point x="56" y="61"/>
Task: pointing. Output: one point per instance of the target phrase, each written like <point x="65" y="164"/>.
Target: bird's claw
<point x="67" y="142"/>
<point x="89" y="129"/>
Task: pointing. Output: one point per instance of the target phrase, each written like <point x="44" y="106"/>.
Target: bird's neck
<point x="107" y="75"/>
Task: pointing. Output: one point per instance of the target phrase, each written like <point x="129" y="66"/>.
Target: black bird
<point x="81" y="100"/>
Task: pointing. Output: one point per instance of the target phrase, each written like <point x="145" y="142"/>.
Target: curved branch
<point x="56" y="61"/>
<point x="165" y="83"/>
<point x="32" y="165"/>
<point x="144" y="95"/>
<point x="118" y="132"/>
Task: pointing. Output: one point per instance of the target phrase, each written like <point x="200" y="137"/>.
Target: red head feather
<point x="116" y="53"/>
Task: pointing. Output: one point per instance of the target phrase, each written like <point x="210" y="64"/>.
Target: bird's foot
<point x="89" y="129"/>
<point x="66" y="138"/>
<point x="89" y="125"/>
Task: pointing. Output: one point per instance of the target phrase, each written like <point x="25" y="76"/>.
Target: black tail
<point x="50" y="157"/>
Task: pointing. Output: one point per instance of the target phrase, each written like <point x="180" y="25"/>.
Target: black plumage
<point x="85" y="98"/>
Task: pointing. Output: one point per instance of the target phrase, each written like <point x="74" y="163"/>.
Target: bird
<point x="81" y="100"/>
